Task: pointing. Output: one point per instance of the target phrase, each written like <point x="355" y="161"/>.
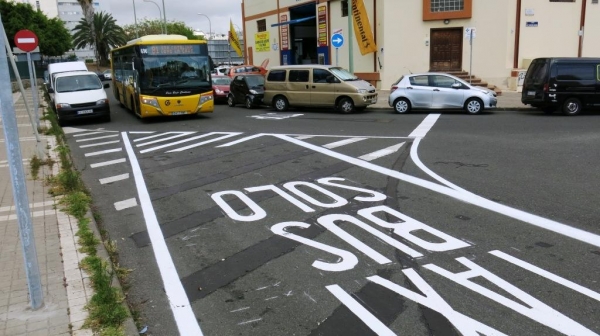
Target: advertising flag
<point x="234" y="40"/>
<point x="362" y="28"/>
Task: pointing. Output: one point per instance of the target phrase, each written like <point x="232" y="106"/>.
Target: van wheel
<point x="572" y="106"/>
<point x="281" y="103"/>
<point x="474" y="106"/>
<point x="248" y="103"/>
<point x="230" y="100"/>
<point x="402" y="106"/>
<point x="346" y="105"/>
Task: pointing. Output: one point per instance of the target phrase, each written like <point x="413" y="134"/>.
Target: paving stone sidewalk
<point x="66" y="288"/>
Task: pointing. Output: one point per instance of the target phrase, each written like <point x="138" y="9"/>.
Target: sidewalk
<point x="66" y="288"/>
<point x="507" y="101"/>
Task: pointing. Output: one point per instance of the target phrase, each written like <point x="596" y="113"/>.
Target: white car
<point x="439" y="91"/>
<point x="107" y="74"/>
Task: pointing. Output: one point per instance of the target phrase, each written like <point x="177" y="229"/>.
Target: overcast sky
<point x="219" y="12"/>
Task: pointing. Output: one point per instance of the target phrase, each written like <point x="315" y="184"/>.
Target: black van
<point x="568" y="84"/>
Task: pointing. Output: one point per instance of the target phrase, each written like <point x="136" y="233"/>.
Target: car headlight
<point x="204" y="99"/>
<point x="150" y="101"/>
<point x="253" y="92"/>
<point x="361" y="91"/>
<point x="102" y="102"/>
<point x="218" y="91"/>
<point x="62" y="105"/>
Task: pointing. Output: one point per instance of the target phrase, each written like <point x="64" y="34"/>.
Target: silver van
<point x="314" y="85"/>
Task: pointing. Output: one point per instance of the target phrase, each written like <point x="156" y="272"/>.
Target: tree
<point x="151" y="27"/>
<point x="54" y="38"/>
<point x="102" y="35"/>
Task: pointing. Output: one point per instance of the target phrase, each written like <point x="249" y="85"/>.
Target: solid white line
<point x="180" y="304"/>
<point x="91" y="133"/>
<point x="526" y="217"/>
<point x="414" y="155"/>
<point x="98" y="138"/>
<point x="336" y="136"/>
<point x="141" y="132"/>
<point x="381" y="152"/>
<point x="126" y="204"/>
<point x="343" y="142"/>
<point x="100" y="144"/>
<point x="304" y="137"/>
<point x="550" y="276"/>
<point x="153" y="136"/>
<point x="204" y="142"/>
<point x="241" y="140"/>
<point x="31" y="205"/>
<point x="107" y="163"/>
<point x="361" y="312"/>
<point x="246" y="322"/>
<point x="425" y="126"/>
<point x="114" y="178"/>
<point x="104" y="152"/>
<point x="176" y="143"/>
<point x="164" y="139"/>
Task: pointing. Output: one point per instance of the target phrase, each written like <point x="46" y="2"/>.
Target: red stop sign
<point x="26" y="40"/>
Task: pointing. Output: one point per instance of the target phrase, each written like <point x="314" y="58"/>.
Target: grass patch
<point x="34" y="164"/>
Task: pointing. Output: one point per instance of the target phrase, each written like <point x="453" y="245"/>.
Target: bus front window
<point x="174" y="72"/>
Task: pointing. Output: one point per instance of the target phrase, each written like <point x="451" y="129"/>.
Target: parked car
<point x="220" y="86"/>
<point x="107" y="74"/>
<point x="316" y="85"/>
<point x="439" y="91"/>
<point x="245" y="69"/>
<point x="248" y="89"/>
<point x="568" y="84"/>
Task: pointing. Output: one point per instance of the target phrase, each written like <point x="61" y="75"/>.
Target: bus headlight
<point x="204" y="99"/>
<point x="150" y="101"/>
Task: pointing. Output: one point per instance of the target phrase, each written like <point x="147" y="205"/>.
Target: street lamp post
<point x="160" y="15"/>
<point x="209" y="25"/>
<point x="164" y="12"/>
<point x="135" y="20"/>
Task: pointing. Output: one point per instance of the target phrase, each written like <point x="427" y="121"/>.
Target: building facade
<point x="423" y="35"/>
<point x="70" y="12"/>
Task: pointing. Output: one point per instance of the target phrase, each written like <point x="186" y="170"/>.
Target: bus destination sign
<point x="171" y="49"/>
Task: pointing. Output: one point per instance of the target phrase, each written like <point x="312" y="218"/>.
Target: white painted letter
<point x="258" y="212"/>
<point x="283" y="194"/>
<point x="328" y="221"/>
<point x="376" y="196"/>
<point x="348" y="261"/>
<point x="539" y="311"/>
<point x="338" y="201"/>
<point x="408" y="225"/>
<point x="464" y="324"/>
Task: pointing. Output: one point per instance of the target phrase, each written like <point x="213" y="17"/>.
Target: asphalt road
<point x="245" y="222"/>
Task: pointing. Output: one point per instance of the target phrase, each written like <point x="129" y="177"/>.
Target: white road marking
<point x="343" y="142"/>
<point x="550" y="276"/>
<point x="126" y="204"/>
<point x="363" y="314"/>
<point x="93" y="133"/>
<point x="141" y="132"/>
<point x="425" y="126"/>
<point x="382" y="152"/>
<point x="98" y="138"/>
<point x="246" y="322"/>
<point x="165" y="139"/>
<point x="237" y="310"/>
<point x="240" y="140"/>
<point x="107" y="163"/>
<point x="297" y="136"/>
<point x="31" y="205"/>
<point x="100" y="144"/>
<point x="414" y="155"/>
<point x="304" y="137"/>
<point x="114" y="178"/>
<point x="523" y="216"/>
<point x="104" y="152"/>
<point x="204" y="142"/>
<point x="156" y="136"/>
<point x="176" y="143"/>
<point x="179" y="302"/>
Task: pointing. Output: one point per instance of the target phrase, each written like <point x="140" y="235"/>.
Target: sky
<point x="219" y="12"/>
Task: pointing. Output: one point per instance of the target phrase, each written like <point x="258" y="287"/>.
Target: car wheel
<point x="572" y="106"/>
<point x="474" y="106"/>
<point x="230" y="101"/>
<point x="248" y="103"/>
<point x="281" y="103"/>
<point x="402" y="105"/>
<point x="346" y="105"/>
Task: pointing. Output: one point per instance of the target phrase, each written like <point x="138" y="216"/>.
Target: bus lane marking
<point x="113" y="179"/>
<point x="181" y="134"/>
<point x="100" y="144"/>
<point x="344" y="142"/>
<point x="107" y="163"/>
<point x="114" y="150"/>
<point x="382" y="152"/>
<point x="223" y="137"/>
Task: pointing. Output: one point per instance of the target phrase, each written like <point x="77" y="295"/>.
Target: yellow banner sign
<point x="234" y="40"/>
<point x="261" y="41"/>
<point x="362" y="28"/>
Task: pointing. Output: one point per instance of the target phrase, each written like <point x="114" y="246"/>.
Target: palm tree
<point x="88" y="14"/>
<point x="103" y="34"/>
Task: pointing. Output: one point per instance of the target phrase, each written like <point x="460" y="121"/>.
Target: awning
<point x="293" y="21"/>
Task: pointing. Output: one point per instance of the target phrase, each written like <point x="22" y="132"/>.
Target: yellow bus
<point x="163" y="75"/>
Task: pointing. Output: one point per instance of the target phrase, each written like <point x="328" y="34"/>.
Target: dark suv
<point x="568" y="84"/>
<point x="246" y="89"/>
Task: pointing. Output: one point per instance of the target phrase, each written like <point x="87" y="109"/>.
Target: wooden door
<point x="446" y="49"/>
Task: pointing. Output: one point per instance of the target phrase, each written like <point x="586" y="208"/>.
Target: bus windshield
<point x="174" y="71"/>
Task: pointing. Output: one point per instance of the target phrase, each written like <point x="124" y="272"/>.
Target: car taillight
<point x="394" y="88"/>
<point x="546" y="87"/>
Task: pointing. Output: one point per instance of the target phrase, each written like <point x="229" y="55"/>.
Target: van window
<point x="78" y="83"/>
<point x="598" y="73"/>
<point x="567" y="72"/>
<point x="276" y="76"/>
<point x="536" y="74"/>
<point x="298" y="76"/>
<point x="320" y="75"/>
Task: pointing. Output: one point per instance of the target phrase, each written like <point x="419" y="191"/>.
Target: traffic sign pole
<point x="471" y="57"/>
<point x="34" y="92"/>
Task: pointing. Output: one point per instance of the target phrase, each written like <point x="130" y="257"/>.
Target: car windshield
<point x="343" y="74"/>
<point x="174" y="71"/>
<point x="78" y="83"/>
<point x="107" y="71"/>
<point x="255" y="81"/>
<point x="221" y="80"/>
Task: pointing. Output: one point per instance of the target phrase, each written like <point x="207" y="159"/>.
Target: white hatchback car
<point x="439" y="91"/>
